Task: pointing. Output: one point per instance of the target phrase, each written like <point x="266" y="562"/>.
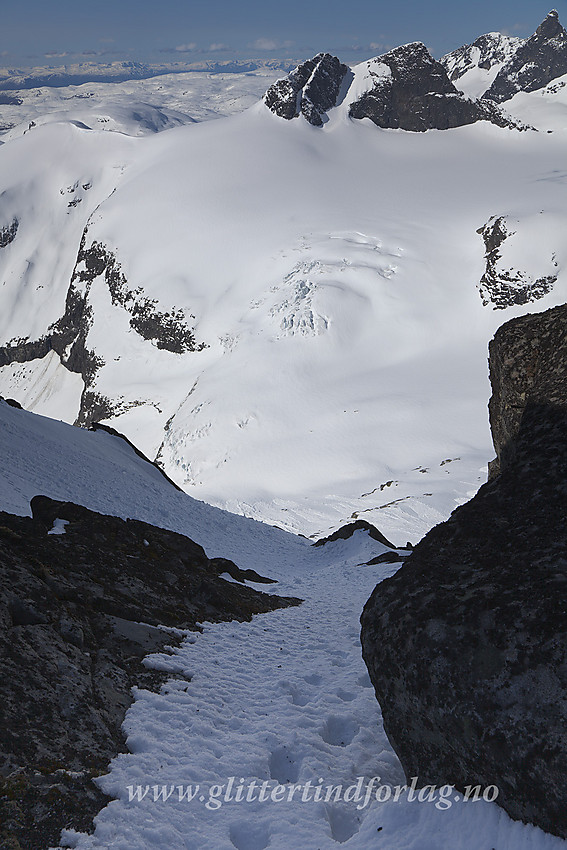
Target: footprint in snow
<point x="346" y="696"/>
<point x="344" y="823"/>
<point x="249" y="835"/>
<point x="298" y="697"/>
<point x="283" y="765"/>
<point x="339" y="731"/>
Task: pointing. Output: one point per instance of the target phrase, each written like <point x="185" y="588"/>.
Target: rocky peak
<point x="550" y="27"/>
<point x="412" y="64"/>
<point x="310" y="90"/>
<point x="537" y="61"/>
<point x="416" y="94"/>
<point x="489" y="50"/>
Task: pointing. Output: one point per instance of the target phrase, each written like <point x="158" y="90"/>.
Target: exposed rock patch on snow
<point x="503" y="285"/>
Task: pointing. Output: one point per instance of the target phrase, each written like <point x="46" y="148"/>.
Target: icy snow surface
<point x="282" y="700"/>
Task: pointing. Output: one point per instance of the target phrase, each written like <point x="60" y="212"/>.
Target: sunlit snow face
<point x="331" y="274"/>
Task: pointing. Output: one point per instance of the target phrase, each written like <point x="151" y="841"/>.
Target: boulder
<point x="466" y="644"/>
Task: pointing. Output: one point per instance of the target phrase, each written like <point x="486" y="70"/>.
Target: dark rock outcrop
<point x="346" y="531"/>
<point x="501" y="285"/>
<point x="467" y="644"/>
<point x="79" y="609"/>
<point x="528" y="365"/>
<point x="168" y="331"/>
<point x="8" y="232"/>
<point x="310" y="90"/>
<point x="418" y="95"/>
<point x="537" y="61"/>
<point x="386" y="558"/>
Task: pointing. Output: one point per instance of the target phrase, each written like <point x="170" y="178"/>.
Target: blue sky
<point x="37" y="32"/>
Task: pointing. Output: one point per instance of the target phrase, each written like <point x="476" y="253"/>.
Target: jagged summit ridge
<point x="310" y="90"/>
<point x="418" y="95"/>
<point x="536" y="62"/>
<point x="405" y="89"/>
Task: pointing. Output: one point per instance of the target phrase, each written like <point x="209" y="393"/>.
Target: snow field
<point x="331" y="272"/>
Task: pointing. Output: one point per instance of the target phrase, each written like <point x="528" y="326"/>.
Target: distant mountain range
<point x="75" y="74"/>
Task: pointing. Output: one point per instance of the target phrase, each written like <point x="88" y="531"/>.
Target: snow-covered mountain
<point x="404" y="89"/>
<point x="535" y="63"/>
<point x="498" y="66"/>
<point x="473" y="67"/>
<point x="291" y="318"/>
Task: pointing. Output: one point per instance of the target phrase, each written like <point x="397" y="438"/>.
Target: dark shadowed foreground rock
<point x="78" y="612"/>
<point x="467" y="644"/>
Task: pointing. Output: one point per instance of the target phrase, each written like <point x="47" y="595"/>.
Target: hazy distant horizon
<point x="36" y="33"/>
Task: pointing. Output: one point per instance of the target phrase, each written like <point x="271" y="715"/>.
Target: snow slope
<point x="282" y="700"/>
<point x="545" y="108"/>
<point x="331" y="278"/>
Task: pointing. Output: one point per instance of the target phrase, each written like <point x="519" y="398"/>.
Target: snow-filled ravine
<point x="266" y="734"/>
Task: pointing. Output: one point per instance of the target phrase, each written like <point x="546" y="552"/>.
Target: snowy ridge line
<point x="100" y="426"/>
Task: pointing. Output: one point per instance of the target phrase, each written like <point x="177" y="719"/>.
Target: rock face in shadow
<point x="83" y="598"/>
<point x="310" y="90"/>
<point x="528" y="365"/>
<point x="418" y="95"/>
<point x="536" y="62"/>
<point x="467" y="644"/>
